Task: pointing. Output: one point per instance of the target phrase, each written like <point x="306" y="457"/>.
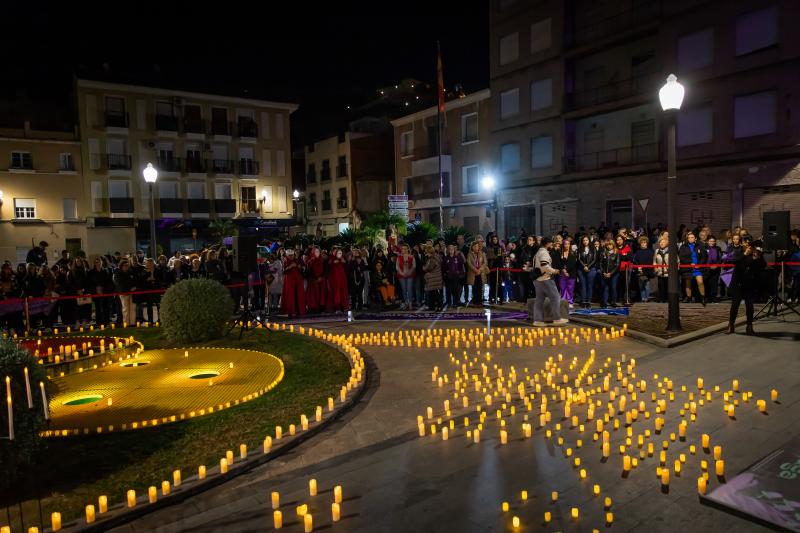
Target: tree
<point x="221" y="228"/>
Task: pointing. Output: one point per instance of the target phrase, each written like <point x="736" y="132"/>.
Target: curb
<point x="120" y="515"/>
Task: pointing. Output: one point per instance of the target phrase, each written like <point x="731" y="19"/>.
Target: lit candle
<point x="606" y="449"/>
<point x="229" y="456"/>
<point x="503" y="436"/>
<point x="267" y="444"/>
<point x="28" y="388"/>
<point x="665" y="476"/>
<point x="176" y="478"/>
<point x="102" y="504"/>
<point x="717" y="452"/>
<point x="131" y="498"/>
<point x="278" y="432"/>
<point x="730" y="410"/>
<point x="152" y="494"/>
<point x="55" y="521"/>
<point x="701" y="485"/>
<point x="243" y="451"/>
<point x="201" y="472"/>
<point x="774" y="395"/>
<point x="337" y="494"/>
<point x="515" y="522"/>
<point x="719" y="467"/>
<point x="312" y="487"/>
<point x="504" y="506"/>
<point x="524" y="495"/>
<point x="596" y="490"/>
<point x="223" y="466"/>
<point x="547" y="517"/>
<point x="308" y="523"/>
<point x="626" y="463"/>
<point x="705" y="440"/>
<point x="575" y="513"/>
<point x="90" y="514"/>
<point x="277" y="519"/>
<point x="165" y="488"/>
<point x="554" y="496"/>
<point x="10" y="409"/>
<point x="762" y="406"/>
<point x="336" y="512"/>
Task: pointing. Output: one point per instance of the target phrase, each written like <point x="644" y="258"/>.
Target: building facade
<point x="348" y="177"/>
<point x="578" y="133"/>
<point x="466" y="160"/>
<point x="218" y="158"/>
<point x="40" y="192"/>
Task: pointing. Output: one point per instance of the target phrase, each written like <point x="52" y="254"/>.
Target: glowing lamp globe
<point x="150" y="173"/>
<point x="671" y="94"/>
<point x="487" y="183"/>
<point x="295" y="194"/>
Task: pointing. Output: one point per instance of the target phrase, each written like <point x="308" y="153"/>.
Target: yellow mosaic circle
<point x="160" y="386"/>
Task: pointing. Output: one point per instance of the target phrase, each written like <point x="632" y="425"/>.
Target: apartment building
<point x="218" y="157"/>
<point x="466" y="159"/>
<point x="578" y="132"/>
<point x="348" y="176"/>
<point x="40" y="191"/>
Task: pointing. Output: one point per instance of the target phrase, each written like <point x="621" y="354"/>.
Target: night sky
<point x="321" y="60"/>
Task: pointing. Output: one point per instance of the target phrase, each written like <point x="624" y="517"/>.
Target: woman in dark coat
<point x="588" y="261"/>
<point x="747" y="273"/>
<point x="693" y="253"/>
<point x="569" y="271"/>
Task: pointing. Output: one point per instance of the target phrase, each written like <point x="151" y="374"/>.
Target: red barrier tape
<point x="633" y="266"/>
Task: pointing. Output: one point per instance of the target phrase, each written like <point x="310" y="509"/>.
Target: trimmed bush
<point x="18" y="456"/>
<point x="195" y="310"/>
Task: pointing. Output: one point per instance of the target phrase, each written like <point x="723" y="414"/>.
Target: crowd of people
<point x="595" y="267"/>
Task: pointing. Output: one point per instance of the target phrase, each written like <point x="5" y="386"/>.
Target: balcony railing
<point x="618" y="90"/>
<point x="120" y="205"/>
<point x="170" y="164"/>
<point x="118" y="162"/>
<point x="325" y="174"/>
<point x="248" y="129"/>
<point x="193" y="125"/>
<point x="341" y="171"/>
<point x="629" y="155"/>
<point x="427" y="187"/>
<point x="326" y="205"/>
<point x="248" y="167"/>
<point x="341" y="203"/>
<point x="116" y="119"/>
<point x="642" y="11"/>
<point x="199" y="205"/>
<point x="166" y="123"/>
<point x="196" y="165"/>
<point x="249" y="206"/>
<point x="220" y="128"/>
<point x="222" y="166"/>
<point x="225" y="207"/>
<point x="170" y="205"/>
<point x="311" y="176"/>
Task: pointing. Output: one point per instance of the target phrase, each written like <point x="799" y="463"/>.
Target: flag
<point x="440" y="78"/>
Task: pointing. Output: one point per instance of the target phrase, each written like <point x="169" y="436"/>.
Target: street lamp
<point x="150" y="176"/>
<point x="671" y="97"/>
<point x="296" y="194"/>
<point x="489" y="185"/>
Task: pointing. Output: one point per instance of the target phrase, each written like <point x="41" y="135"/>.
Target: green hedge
<point x="195" y="310"/>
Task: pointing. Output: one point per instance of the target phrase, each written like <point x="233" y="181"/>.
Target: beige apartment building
<point x="348" y="177"/>
<point x="466" y="160"/>
<point x="40" y="192"/>
<point x="578" y="133"/>
<point x="218" y="157"/>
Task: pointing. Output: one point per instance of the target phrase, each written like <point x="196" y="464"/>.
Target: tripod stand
<point x="773" y="305"/>
<point x="246" y="319"/>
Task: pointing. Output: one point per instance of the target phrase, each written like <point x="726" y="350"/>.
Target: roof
<point x="448" y="106"/>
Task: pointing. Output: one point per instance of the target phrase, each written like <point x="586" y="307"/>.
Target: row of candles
<point x="570" y="397"/>
<point x="29" y="395"/>
<point x="302" y="510"/>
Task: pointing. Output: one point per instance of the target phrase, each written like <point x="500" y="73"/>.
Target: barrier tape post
<point x="27" y="317"/>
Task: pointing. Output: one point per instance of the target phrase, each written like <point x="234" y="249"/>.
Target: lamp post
<point x="489" y="185"/>
<point x="671" y="97"/>
<point x="150" y="176"/>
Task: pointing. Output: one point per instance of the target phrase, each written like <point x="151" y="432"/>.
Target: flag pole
<point x="440" y="110"/>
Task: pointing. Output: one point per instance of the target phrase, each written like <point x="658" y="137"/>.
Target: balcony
<point x="247" y="129"/>
<point x="118" y="162"/>
<point x="643" y="11"/>
<point x="199" y="206"/>
<point x="618" y="90"/>
<point x="326" y="205"/>
<point x="341" y="203"/>
<point x="341" y="171"/>
<point x="427" y="187"/>
<point x="220" y="128"/>
<point x="116" y="119"/>
<point x="311" y="176"/>
<point x="196" y="165"/>
<point x="325" y="174"/>
<point x="248" y="167"/>
<point x="194" y="125"/>
<point x="222" y="166"/>
<point x="170" y="164"/>
<point x="225" y="208"/>
<point x="167" y="123"/>
<point x="620" y="157"/>
<point x="171" y="206"/>
<point x="121" y="205"/>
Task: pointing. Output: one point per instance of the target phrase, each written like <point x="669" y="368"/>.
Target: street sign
<point x="643" y="202"/>
<point x="398" y="197"/>
<point x="398" y="205"/>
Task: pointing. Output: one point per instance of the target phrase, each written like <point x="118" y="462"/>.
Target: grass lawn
<point x="76" y="470"/>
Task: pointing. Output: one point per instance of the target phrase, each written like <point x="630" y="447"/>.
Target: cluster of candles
<point x="302" y="510"/>
<point x="592" y="397"/>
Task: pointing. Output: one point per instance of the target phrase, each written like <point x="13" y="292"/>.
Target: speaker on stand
<point x="776" y="239"/>
<point x="245" y="262"/>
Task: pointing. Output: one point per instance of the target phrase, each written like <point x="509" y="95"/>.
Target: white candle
<point x="90" y="514"/>
<point x="176" y="478"/>
<point x="276" y="500"/>
<point x="55" y="521"/>
<point x="10" y="409"/>
<point x="337" y="494"/>
<point x="277" y="518"/>
<point x="28" y="388"/>
<point x="336" y="512"/>
<point x="312" y="487"/>
<point x="131" y="498"/>
<point x="308" y="523"/>
<point x="152" y="494"/>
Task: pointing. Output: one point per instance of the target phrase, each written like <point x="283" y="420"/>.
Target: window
<point x="469" y="179"/>
<point x="219" y="121"/>
<point x="222" y="191"/>
<point x="406" y="143"/>
<point x="165" y="109"/>
<point x="341" y="201"/>
<point x="249" y="203"/>
<point x="541" y="94"/>
<point x="509" y="157"/>
<point x="509" y="48"/>
<point x="311" y="175"/>
<point x="193" y="119"/>
<point x="754" y="114"/>
<point x="70" y="209"/>
<point x="696" y="50"/>
<point x="279" y="126"/>
<point x="167" y="189"/>
<point x="280" y="163"/>
<point x="312" y="202"/>
<point x="341" y="167"/>
<point x="21" y="160"/>
<point x="542" y="152"/>
<point x="756" y="30"/>
<point x="694" y="126"/>
<point x="326" y="200"/>
<point x="196" y="190"/>
<point x="65" y="162"/>
<point x="24" y="208"/>
<point x="469" y="128"/>
<point x="509" y="103"/>
<point x="119" y="189"/>
<point x="540" y="36"/>
<point x="97" y="196"/>
<point x="325" y="171"/>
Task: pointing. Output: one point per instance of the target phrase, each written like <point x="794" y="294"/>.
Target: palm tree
<point x="221" y="228"/>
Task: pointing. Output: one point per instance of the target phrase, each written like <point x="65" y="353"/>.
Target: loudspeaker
<point x="245" y="253"/>
<point x="776" y="230"/>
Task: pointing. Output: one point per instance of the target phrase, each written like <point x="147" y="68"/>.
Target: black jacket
<point x="747" y="273"/>
<point x="609" y="263"/>
<point x="125" y="281"/>
<point x="685" y="256"/>
<point x="99" y="281"/>
<point x="587" y="257"/>
<point x="570" y="264"/>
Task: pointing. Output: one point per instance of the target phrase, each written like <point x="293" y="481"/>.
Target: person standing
<point x="477" y="270"/>
<point x="494" y="258"/>
<point x="355" y="279"/>
<point x="714" y="257"/>
<point x="125" y="282"/>
<point x="338" y="299"/>
<point x="293" y="300"/>
<point x="609" y="273"/>
<point x="406" y="270"/>
<point x="625" y="254"/>
<point x="693" y="253"/>
<point x="38" y="254"/>
<point x="661" y="261"/>
<point x="545" y="287"/>
<point x="587" y="270"/>
<point x="643" y="256"/>
<point x="433" y="279"/>
<point x="453" y="270"/>
<point x="569" y="272"/>
<point x="100" y="281"/>
<point x="317" y="288"/>
<point x="747" y="274"/>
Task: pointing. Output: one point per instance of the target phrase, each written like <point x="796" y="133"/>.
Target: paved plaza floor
<point x="393" y="480"/>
